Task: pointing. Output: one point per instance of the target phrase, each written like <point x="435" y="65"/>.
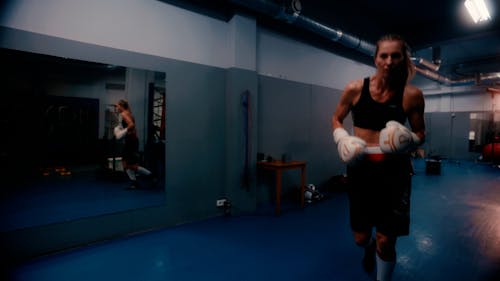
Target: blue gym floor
<point x="455" y="235"/>
<point x="56" y="198"/>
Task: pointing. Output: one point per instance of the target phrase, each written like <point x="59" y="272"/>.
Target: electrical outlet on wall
<point x="220" y="202"/>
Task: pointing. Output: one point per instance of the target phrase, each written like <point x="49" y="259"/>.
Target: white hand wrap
<point x="120" y="132"/>
<point x="350" y="148"/>
<point x="396" y="138"/>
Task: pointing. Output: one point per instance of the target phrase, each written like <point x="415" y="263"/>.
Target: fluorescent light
<point x="477" y="10"/>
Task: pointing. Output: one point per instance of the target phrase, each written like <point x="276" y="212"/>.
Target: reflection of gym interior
<point x="233" y="103"/>
<point x="62" y="152"/>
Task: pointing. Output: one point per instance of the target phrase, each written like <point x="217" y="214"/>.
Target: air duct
<point x="433" y="75"/>
<point x="289" y="11"/>
<point x="432" y="66"/>
<point x="477" y="79"/>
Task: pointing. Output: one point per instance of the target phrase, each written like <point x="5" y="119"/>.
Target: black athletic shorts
<point x="131" y="150"/>
<point x="379" y="195"/>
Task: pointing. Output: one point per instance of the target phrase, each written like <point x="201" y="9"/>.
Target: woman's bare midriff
<point x="370" y="136"/>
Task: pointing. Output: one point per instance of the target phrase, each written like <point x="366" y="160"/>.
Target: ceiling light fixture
<point x="477" y="10"/>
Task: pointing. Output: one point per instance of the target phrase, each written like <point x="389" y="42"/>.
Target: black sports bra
<point x="370" y="114"/>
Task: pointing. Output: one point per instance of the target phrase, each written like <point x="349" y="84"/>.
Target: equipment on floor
<point x="491" y="152"/>
<point x="433" y="166"/>
<point x="312" y="194"/>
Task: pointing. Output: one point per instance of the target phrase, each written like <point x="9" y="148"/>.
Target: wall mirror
<point x="59" y="158"/>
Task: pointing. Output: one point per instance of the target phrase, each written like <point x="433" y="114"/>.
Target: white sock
<point x="384" y="269"/>
<point x="143" y="171"/>
<point x="131" y="174"/>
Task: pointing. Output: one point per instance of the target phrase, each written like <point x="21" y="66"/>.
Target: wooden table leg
<point x="278" y="191"/>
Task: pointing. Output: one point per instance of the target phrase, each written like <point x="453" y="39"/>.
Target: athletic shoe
<point x="134" y="185"/>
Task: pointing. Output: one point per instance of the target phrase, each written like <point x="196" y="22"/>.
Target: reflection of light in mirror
<point x="159" y="263"/>
<point x="407" y="266"/>
<point x="404" y="261"/>
<point x="424" y="244"/>
<point x="485" y="226"/>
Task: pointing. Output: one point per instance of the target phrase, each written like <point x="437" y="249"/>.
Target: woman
<point x="378" y="154"/>
<point x="128" y="132"/>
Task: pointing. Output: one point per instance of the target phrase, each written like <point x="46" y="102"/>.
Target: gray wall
<point x="294" y="119"/>
<point x="204" y="138"/>
<point x="204" y="148"/>
<point x="195" y="135"/>
<point x="239" y="190"/>
<point x="448" y="135"/>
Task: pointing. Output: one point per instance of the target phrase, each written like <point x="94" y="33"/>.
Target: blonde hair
<point x="124" y="104"/>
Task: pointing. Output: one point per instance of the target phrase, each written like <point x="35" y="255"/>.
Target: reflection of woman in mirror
<point x="127" y="131"/>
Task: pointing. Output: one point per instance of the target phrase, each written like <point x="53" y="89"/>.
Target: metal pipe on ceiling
<point x="433" y="75"/>
<point x="289" y="11"/>
<point x="477" y="80"/>
<point x="432" y="66"/>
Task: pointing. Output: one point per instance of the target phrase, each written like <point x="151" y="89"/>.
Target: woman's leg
<point x="386" y="256"/>
<point x="364" y="239"/>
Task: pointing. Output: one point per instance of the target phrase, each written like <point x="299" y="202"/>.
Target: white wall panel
<point x="147" y="26"/>
<point x="281" y="57"/>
